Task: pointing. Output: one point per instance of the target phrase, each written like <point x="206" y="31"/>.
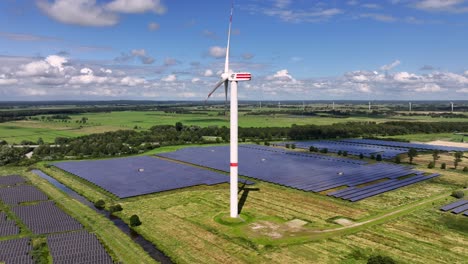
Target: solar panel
<point x="308" y="172"/>
<point x="460" y="209"/>
<point x="16" y="251"/>
<point x="11" y="180"/>
<point x="133" y="176"/>
<point x="405" y="145"/>
<point x="21" y="194"/>
<point x="449" y="207"/>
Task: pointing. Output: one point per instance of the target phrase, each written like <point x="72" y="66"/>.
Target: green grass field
<point x="15" y="132"/>
<point x="190" y="225"/>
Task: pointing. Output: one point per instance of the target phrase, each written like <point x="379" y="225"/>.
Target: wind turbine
<point x="410" y="106"/>
<point x="369" y="105"/>
<point x="333" y="105"/>
<point x="231" y="77"/>
<point x="451" y="105"/>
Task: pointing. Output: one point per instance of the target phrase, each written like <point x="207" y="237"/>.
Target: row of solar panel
<point x="21" y="194"/>
<point x="11" y="180"/>
<point x="357" y="194"/>
<point x="457" y="207"/>
<point x="77" y="247"/>
<point x="46" y="217"/>
<point x="405" y="145"/>
<point x="366" y="150"/>
<point x="16" y="251"/>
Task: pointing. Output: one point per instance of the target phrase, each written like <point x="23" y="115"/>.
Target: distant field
<point x="430" y="137"/>
<point x="189" y="224"/>
<point x="15" y="132"/>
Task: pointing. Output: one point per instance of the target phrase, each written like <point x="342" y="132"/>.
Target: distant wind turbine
<point x="410" y="106"/>
<point x="231" y="77"/>
<point x="369" y="105"/>
<point x="333" y="105"/>
<point x="451" y="104"/>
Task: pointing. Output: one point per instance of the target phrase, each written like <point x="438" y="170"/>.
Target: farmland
<point x="17" y="131"/>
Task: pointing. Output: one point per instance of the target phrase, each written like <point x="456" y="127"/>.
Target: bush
<point x="372" y="156"/>
<point x="287" y="145"/>
<point x="293" y="146"/>
<point x="339" y="152"/>
<point x="397" y="160"/>
<point x="465" y="169"/>
<point x="324" y="150"/>
<point x="100" y="204"/>
<point x="380" y="260"/>
<point x="361" y="156"/>
<point x="431" y="165"/>
<point x="115" y="208"/>
<point x="345" y="153"/>
<point x="312" y="149"/>
<point x="267" y="143"/>
<point x="135" y="220"/>
<point x="443" y="166"/>
<point x="378" y="157"/>
<point x="458" y="194"/>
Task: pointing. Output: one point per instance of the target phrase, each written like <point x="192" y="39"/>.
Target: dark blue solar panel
<point x="123" y="177"/>
<point x="449" y="207"/>
<point x="460" y="209"/>
<point x="405" y="145"/>
<point x="308" y="172"/>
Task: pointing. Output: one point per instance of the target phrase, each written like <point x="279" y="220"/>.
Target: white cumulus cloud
<point x="390" y="66"/>
<point x="217" y="52"/>
<point x="170" y="78"/>
<point x="208" y="73"/>
<point x="136" y="6"/>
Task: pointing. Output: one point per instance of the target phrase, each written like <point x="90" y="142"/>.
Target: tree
<point x="345" y="153"/>
<point x="378" y="157"/>
<point x="412" y="152"/>
<point x="40" y="141"/>
<point x="458" y="158"/>
<point x="287" y="145"/>
<point x="431" y="165"/>
<point x="115" y="208"/>
<point x="179" y="126"/>
<point x="324" y="150"/>
<point x="397" y="159"/>
<point x="339" y="152"/>
<point x="100" y="204"/>
<point x="465" y="169"/>
<point x="443" y="166"/>
<point x="312" y="149"/>
<point x="293" y="146"/>
<point x="372" y="156"/>
<point x="435" y="155"/>
<point x="361" y="156"/>
<point x="135" y="220"/>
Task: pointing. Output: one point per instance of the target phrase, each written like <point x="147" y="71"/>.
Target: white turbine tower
<point x="333" y="105"/>
<point x="451" y="105"/>
<point x="410" y="106"/>
<point x="369" y="105"/>
<point x="231" y="77"/>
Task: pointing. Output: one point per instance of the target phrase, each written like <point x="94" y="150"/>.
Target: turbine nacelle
<point x="240" y="76"/>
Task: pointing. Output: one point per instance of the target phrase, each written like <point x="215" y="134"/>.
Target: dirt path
<point x="370" y="221"/>
<point x="448" y="143"/>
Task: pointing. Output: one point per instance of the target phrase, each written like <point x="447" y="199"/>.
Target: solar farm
<point x="42" y="217"/>
<point x="370" y="147"/>
<point x="128" y="177"/>
<point x="307" y="172"/>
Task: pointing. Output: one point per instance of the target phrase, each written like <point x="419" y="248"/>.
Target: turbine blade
<point x="226" y="64"/>
<point x="225" y="94"/>
<point x="218" y="84"/>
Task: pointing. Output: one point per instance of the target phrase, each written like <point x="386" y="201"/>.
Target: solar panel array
<point x="11" y="180"/>
<point x="405" y="145"/>
<point x="357" y="194"/>
<point x="356" y="149"/>
<point x="77" y="247"/>
<point x="16" y="251"/>
<point x="133" y="176"/>
<point x="308" y="172"/>
<point x="45" y="217"/>
<point x="7" y="227"/>
<point x="21" y="194"/>
<point x="457" y="207"/>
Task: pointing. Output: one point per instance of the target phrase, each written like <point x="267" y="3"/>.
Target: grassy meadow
<point x="15" y="132"/>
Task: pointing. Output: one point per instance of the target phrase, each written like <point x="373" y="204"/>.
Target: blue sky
<point x="173" y="49"/>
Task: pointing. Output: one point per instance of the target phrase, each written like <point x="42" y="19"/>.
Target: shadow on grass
<point x="245" y="193"/>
